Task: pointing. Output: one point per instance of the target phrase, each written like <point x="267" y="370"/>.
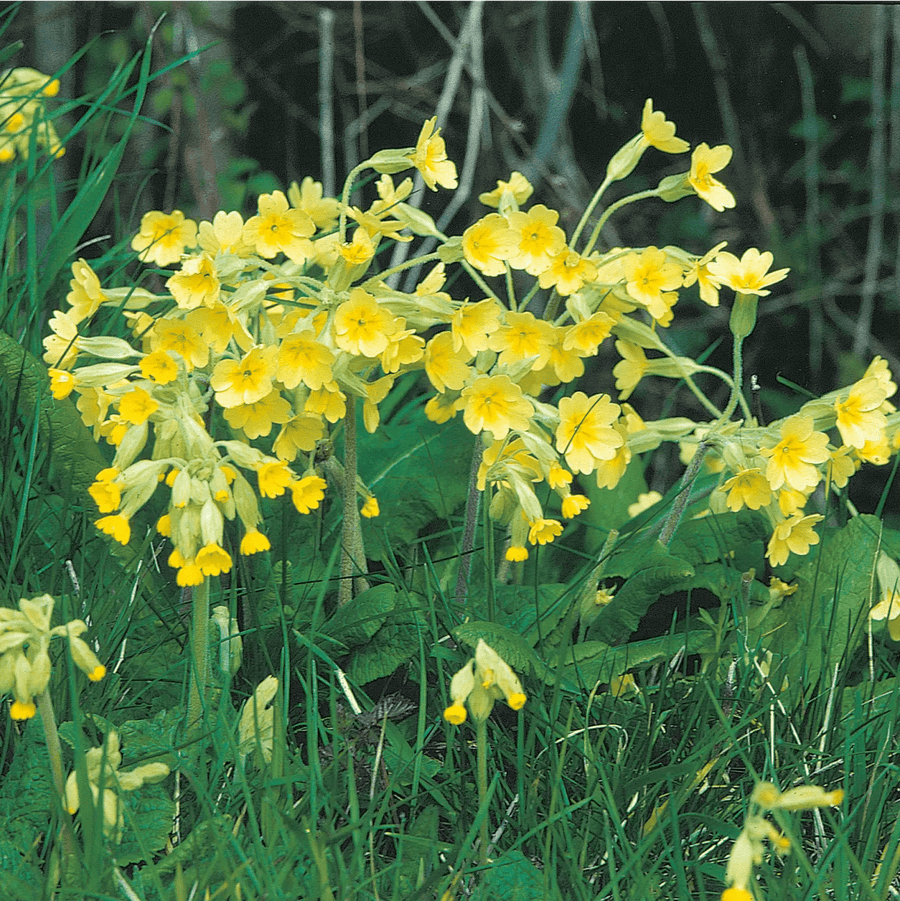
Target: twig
<point x="878" y="170"/>
<point x="326" y="103"/>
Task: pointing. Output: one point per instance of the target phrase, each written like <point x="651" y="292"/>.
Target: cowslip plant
<point x="23" y="117"/>
<point x="237" y="381"/>
<point x="748" y="850"/>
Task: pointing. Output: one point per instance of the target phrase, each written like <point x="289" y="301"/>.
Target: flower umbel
<point x="483" y="680"/>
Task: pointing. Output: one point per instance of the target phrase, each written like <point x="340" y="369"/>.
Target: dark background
<point x="807" y="94"/>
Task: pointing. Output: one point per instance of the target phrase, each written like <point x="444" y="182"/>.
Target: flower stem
<point x="353" y="554"/>
<point x="482" y="750"/>
<point x="54" y="749"/>
<point x="200" y="660"/>
<point x="624" y="201"/>
<point x="473" y="499"/>
<point x="681" y="501"/>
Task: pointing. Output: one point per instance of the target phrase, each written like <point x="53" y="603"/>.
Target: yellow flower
<point x="522" y="336"/>
<point x="584" y="434"/>
<point x="195" y="284"/>
<point x="574" y="504"/>
<point x="182" y="339"/>
<point x="160" y="367"/>
<point x="244" y="381"/>
<point x="223" y="235"/>
<point x="698" y="271"/>
<point x="274" y="477"/>
<point x="704" y="162"/>
<point x="586" y="336"/>
<point x="473" y="324"/>
<point x="107" y="493"/>
<point x="60" y="348"/>
<point x="658" y="132"/>
<point x="537" y="238"/>
<point x="370" y="508"/>
<point x="298" y="434"/>
<point x="254" y="542"/>
<point x="747" y="275"/>
<point x="137" y="406"/>
<point x="163" y="237"/>
<point x="567" y="271"/>
<point x="488" y="244"/>
<point x="483" y="680"/>
<point x="361" y="326"/>
<point x="279" y="229"/>
<point x="858" y="414"/>
<point x="308" y="198"/>
<point x="518" y="188"/>
<point x="257" y="419"/>
<point x="62" y="383"/>
<point x="430" y="158"/>
<point x="793" y="460"/>
<point x="515" y="554"/>
<point x="307" y="493"/>
<point x="748" y="488"/>
<point x="117" y="527"/>
<point x="494" y="403"/>
<point x="445" y="367"/>
<point x="544" y="531"/>
<point x="85" y="295"/>
<point x="644" y="502"/>
<point x="793" y="536"/>
<point x="213" y="560"/>
<point x="652" y="279"/>
<point x="303" y="358"/>
<point x="630" y="369"/>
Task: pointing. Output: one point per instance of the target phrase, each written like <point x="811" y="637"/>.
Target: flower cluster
<point x="25" y="636"/>
<point x="23" y="115"/>
<point x="748" y="850"/>
<point x="274" y="327"/>
<point x="106" y="780"/>
<point x="778" y="468"/>
<point x="485" y="678"/>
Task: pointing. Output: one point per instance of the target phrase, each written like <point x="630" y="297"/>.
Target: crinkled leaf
<point x="649" y="571"/>
<point x="25" y="802"/>
<point x="392" y="645"/>
<point x="21" y="880"/>
<point x="821" y="624"/>
<point x="736" y="537"/>
<point x="149" y="811"/>
<point x="591" y="662"/>
<point x="512" y="877"/>
<point x="358" y="621"/>
<point x="531" y="612"/>
<point x="609" y="509"/>
<point x="419" y="472"/>
<point x="510" y="645"/>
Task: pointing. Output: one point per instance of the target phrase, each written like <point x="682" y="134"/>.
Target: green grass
<point x="588" y="796"/>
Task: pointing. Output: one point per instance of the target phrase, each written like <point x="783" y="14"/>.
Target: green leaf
<point x="736" y="537"/>
<point x="529" y="611"/>
<point x="650" y="571"/>
<point x="25" y="803"/>
<point x="510" y="645"/>
<point x="392" y="645"/>
<point x="419" y="472"/>
<point x="21" y="881"/>
<point x="821" y="625"/>
<point x="609" y="508"/>
<point x="594" y="661"/>
<point x="512" y="877"/>
<point x="149" y="812"/>
<point x="357" y="622"/>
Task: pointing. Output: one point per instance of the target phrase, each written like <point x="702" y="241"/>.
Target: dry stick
<point x="448" y="95"/>
<point x="878" y="170"/>
<point x="360" y="61"/>
<point x="326" y="103"/>
<point x="812" y="162"/>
